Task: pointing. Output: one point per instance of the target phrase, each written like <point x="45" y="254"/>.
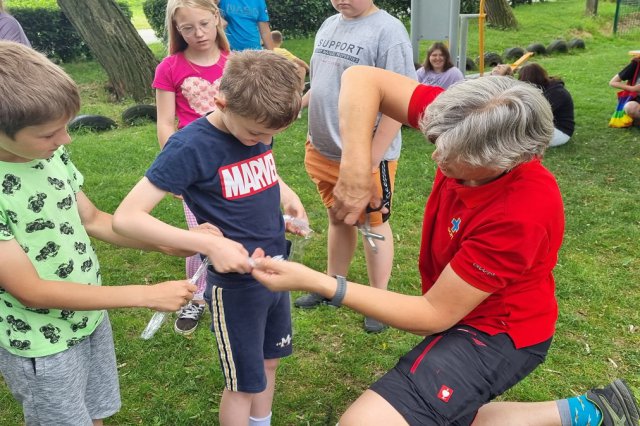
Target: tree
<point x="591" y="7"/>
<point x="115" y="44"/>
<point x="499" y="14"/>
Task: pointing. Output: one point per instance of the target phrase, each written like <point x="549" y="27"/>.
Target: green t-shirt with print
<point x="38" y="208"/>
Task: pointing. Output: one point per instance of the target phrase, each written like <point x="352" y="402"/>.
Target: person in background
<point x="558" y="96"/>
<point x="186" y="82"/>
<point x="247" y="24"/>
<point x="10" y="28"/>
<point x="492" y="229"/>
<point x="503" y="70"/>
<point x="278" y="39"/>
<point x="438" y="69"/>
<point x="631" y="76"/>
<point x="360" y="33"/>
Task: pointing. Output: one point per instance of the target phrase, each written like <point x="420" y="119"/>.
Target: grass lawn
<point x="172" y="380"/>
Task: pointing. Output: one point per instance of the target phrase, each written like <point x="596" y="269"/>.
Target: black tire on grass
<point x="138" y="113"/>
<point x="513" y="53"/>
<point x="470" y="65"/>
<point x="559" y="46"/>
<point x="537" y="48"/>
<point x="491" y="59"/>
<point x="577" y="43"/>
<point x="94" y="123"/>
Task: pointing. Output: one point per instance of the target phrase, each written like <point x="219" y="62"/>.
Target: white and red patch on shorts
<point x="445" y="392"/>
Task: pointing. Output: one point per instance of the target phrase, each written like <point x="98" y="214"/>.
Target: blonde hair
<point x="263" y="86"/>
<point x="33" y="89"/>
<point x="276" y="36"/>
<point x="177" y="43"/>
<point x="503" y="70"/>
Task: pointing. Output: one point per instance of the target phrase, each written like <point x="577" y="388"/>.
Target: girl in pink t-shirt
<point x="186" y="82"/>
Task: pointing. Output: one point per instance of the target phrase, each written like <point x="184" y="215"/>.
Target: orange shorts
<point x="324" y="173"/>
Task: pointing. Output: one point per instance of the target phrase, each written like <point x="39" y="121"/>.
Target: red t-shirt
<point x="503" y="238"/>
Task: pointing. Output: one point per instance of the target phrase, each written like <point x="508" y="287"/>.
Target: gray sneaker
<point x="188" y="318"/>
<point x="373" y="326"/>
<point x="309" y="301"/>
<point x="617" y="404"/>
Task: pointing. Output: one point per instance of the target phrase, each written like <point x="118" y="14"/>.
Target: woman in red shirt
<point x="492" y="229"/>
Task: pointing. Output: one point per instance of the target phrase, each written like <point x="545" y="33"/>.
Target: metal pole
<point x="616" y="17"/>
<point x="464" y="30"/>
<point x="454" y="12"/>
<point x="415" y="37"/>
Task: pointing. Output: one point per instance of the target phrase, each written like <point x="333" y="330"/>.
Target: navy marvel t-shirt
<point x="225" y="183"/>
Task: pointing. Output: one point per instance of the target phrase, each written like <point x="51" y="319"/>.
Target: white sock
<point x="265" y="421"/>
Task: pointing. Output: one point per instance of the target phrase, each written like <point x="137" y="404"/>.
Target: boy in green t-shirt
<point x="56" y="347"/>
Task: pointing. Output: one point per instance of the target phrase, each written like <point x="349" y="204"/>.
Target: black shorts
<point x="251" y="324"/>
<point x="449" y="376"/>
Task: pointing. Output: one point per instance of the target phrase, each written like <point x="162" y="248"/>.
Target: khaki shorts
<point x="324" y="173"/>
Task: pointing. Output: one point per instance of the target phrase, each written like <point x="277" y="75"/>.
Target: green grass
<point x="139" y="19"/>
<point x="171" y="380"/>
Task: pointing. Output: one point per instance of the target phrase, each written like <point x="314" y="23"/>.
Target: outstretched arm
<point x="364" y="92"/>
<point x="21" y="280"/>
<point x="444" y="305"/>
<point x="99" y="225"/>
<point x="133" y="219"/>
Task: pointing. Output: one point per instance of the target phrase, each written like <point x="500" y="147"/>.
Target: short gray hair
<point x="493" y="122"/>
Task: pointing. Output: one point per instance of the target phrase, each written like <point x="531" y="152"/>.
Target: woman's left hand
<point x="279" y="275"/>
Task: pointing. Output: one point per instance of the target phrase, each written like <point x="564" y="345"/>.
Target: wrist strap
<point x="341" y="290"/>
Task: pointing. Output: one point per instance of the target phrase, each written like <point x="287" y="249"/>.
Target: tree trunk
<point x="499" y="14"/>
<point x="115" y="44"/>
<point x="591" y="7"/>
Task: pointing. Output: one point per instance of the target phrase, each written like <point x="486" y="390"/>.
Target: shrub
<point x="154" y="10"/>
<point x="302" y="18"/>
<point x="49" y="30"/>
<point x="298" y="18"/>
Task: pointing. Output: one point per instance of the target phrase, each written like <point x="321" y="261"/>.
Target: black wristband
<point x="341" y="290"/>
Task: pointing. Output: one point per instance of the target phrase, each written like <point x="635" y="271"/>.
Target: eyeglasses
<point x="189" y="30"/>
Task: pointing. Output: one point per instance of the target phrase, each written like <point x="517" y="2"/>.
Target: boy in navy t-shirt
<point x="223" y="166"/>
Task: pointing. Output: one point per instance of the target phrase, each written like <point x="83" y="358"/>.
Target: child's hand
<point x="297" y="226"/>
<point x="207" y="228"/>
<point x="228" y="256"/>
<point x="170" y="295"/>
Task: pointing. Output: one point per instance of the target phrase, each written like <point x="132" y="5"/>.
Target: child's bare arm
<point x="265" y="34"/>
<point x="387" y="129"/>
<point x="291" y="203"/>
<point x="20" y="279"/>
<point x="133" y="219"/>
<point x="166" y="107"/>
<point x="99" y="225"/>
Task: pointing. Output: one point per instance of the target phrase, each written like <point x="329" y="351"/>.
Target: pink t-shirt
<point x="194" y="85"/>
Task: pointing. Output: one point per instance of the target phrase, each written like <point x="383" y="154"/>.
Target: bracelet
<point x="341" y="290"/>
